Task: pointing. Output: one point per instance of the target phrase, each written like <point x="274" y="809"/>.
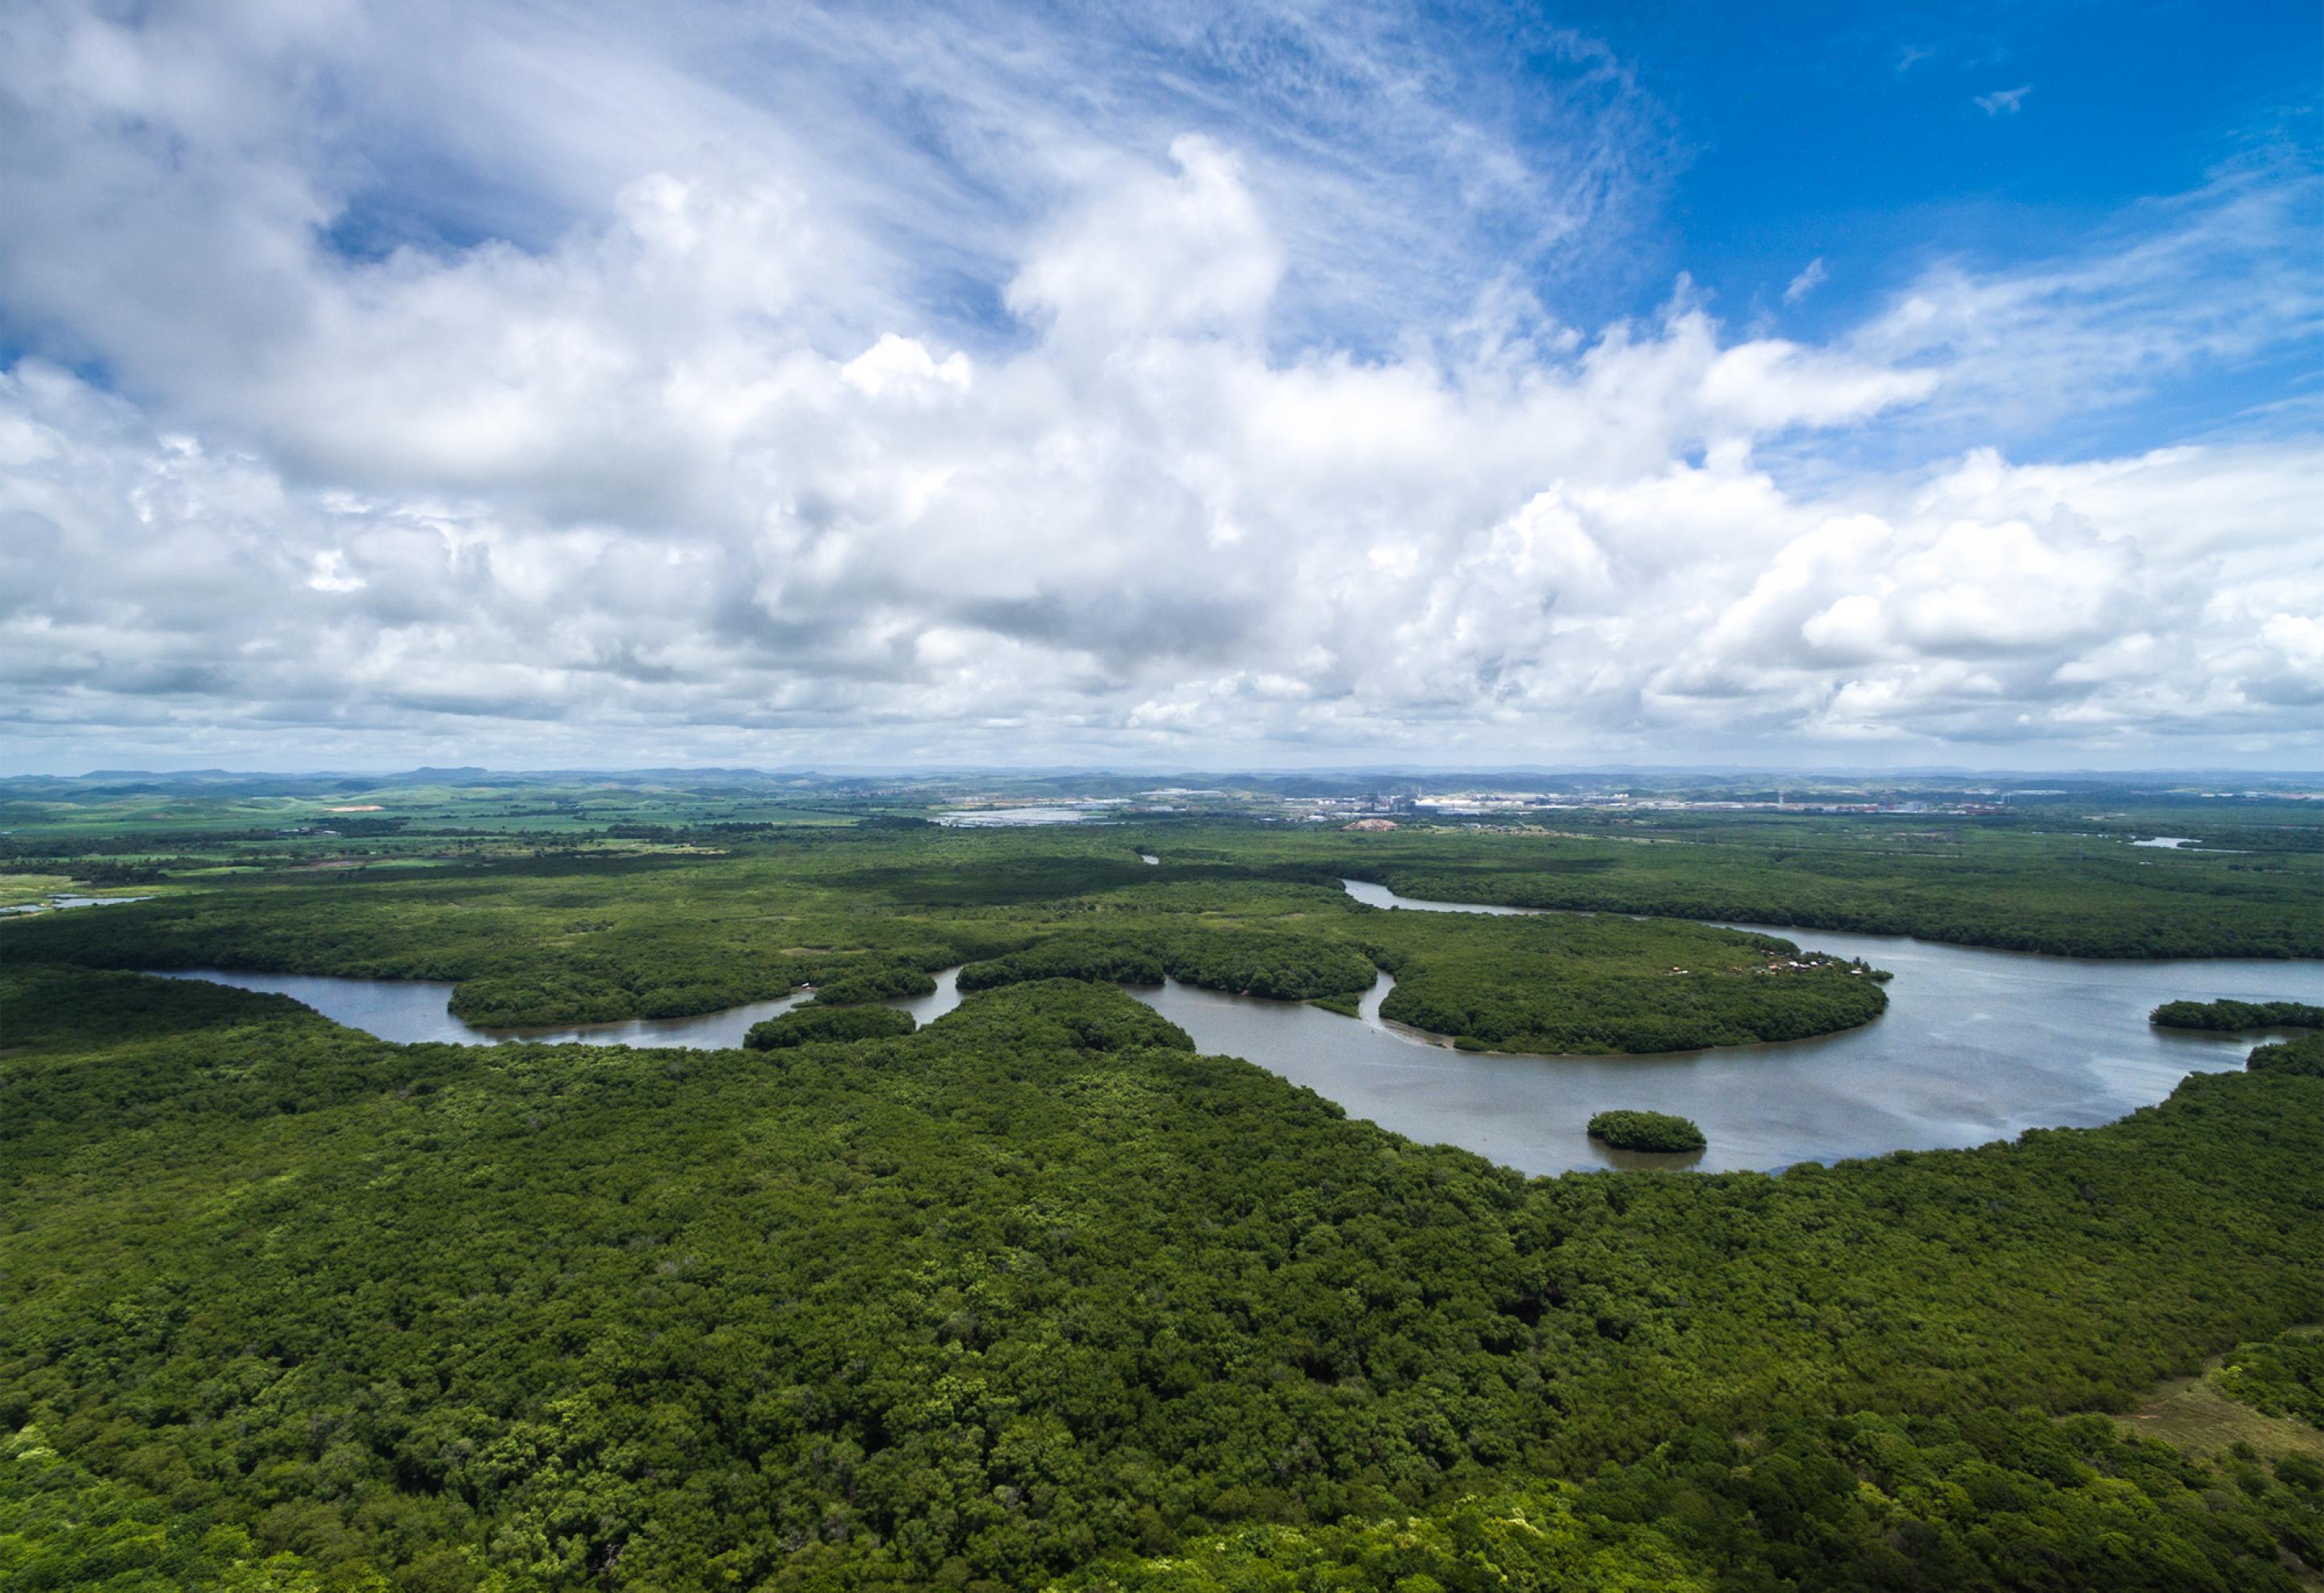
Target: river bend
<point x="1976" y="1046"/>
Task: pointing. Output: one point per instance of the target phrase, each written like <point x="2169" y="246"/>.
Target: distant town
<point x="1391" y="802"/>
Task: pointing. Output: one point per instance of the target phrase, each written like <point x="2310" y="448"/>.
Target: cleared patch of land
<point x="19" y="890"/>
<point x="2192" y="1414"/>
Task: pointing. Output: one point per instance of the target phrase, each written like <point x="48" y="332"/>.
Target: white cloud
<point x="2005" y="102"/>
<point x="2221" y="276"/>
<point x="903" y="365"/>
<point x="1153" y="254"/>
<point x="703" y="462"/>
<point x="1812" y="275"/>
<point x="330" y="572"/>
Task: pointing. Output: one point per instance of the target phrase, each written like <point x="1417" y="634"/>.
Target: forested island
<point x="1036" y="1295"/>
<point x="1645" y="1130"/>
<point x="2237" y="1018"/>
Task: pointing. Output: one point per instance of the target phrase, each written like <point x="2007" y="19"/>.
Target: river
<point x="418" y="1012"/>
<point x="1975" y="1046"/>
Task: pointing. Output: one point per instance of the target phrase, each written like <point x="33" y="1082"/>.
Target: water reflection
<point x="1648" y="1161"/>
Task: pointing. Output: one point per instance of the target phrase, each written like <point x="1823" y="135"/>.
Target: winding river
<point x="418" y="1011"/>
<point x="1976" y="1046"/>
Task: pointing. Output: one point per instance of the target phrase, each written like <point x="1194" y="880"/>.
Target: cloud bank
<point x="392" y="386"/>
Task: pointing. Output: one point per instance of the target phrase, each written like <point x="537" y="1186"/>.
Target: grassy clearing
<point x="2194" y="1414"/>
<point x="18" y="890"/>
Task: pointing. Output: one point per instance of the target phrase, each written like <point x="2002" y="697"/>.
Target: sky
<point x="1176" y="385"/>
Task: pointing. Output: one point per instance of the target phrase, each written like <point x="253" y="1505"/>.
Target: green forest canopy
<point x="1038" y="1292"/>
<point x="867" y="916"/>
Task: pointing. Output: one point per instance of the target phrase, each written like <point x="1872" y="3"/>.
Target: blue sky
<point x="1878" y="139"/>
<point x="1860" y="133"/>
<point x="1161" y="383"/>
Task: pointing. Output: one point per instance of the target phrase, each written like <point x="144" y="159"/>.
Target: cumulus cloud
<point x="1156" y="255"/>
<point x="625" y="413"/>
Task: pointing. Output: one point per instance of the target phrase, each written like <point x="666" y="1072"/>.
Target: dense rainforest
<point x="2303" y="1056"/>
<point x="2015" y="893"/>
<point x="1286" y="967"/>
<point x="1038" y="1292"/>
<point x="2279" y="1378"/>
<point x="863" y="915"/>
<point x="1035" y="1296"/>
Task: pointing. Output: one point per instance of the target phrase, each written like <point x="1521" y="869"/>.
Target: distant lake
<point x="65" y="904"/>
<point x="983" y="818"/>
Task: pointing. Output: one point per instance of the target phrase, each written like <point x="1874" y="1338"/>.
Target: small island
<point x="1659" y="1131"/>
<point x="817" y="1024"/>
<point x="2232" y="1018"/>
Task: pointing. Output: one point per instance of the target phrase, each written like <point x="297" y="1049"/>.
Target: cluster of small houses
<point x="1819" y="959"/>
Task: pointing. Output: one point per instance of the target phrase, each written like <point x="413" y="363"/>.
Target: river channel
<point x="1975" y="1046"/>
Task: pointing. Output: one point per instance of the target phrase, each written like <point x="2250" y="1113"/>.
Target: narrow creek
<point x="1976" y="1046"/>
